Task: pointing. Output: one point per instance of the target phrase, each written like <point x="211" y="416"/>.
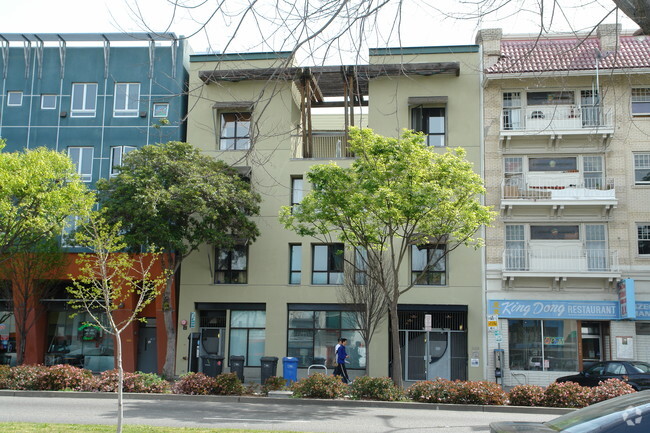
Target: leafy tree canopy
<point x="39" y="189"/>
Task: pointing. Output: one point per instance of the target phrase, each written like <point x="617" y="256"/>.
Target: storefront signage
<point x="643" y="310"/>
<point x="523" y="309"/>
<point x="192" y="319"/>
<point x="626" y="298"/>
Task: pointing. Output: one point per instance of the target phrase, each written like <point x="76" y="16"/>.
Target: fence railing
<point x="556" y="117"/>
<point x="564" y="186"/>
<point x="325" y="144"/>
<point x="560" y="259"/>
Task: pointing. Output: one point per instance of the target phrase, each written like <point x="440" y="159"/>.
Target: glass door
<point x="591" y="343"/>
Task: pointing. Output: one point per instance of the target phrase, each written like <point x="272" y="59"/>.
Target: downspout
<point x="486" y="351"/>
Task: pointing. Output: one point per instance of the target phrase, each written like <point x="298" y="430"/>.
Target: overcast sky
<point x="422" y="24"/>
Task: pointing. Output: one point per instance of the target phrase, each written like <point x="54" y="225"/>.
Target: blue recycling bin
<point x="290" y="369"/>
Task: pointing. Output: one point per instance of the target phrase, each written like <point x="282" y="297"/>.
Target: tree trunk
<point x="396" y="370"/>
<point x="170" y="330"/>
<point x="120" y="382"/>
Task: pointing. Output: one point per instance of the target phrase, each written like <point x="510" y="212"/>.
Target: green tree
<point x="173" y="196"/>
<point x="397" y="193"/>
<point x="39" y="190"/>
<point x="112" y="286"/>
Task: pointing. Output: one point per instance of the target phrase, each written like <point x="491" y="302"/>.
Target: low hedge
<point x="319" y="385"/>
<point x="375" y="388"/>
<point x="457" y="392"/>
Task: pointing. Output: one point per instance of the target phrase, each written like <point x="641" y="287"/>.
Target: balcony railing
<point x="324" y="144"/>
<point x="556" y="118"/>
<point x="568" y="260"/>
<point x="564" y="186"/>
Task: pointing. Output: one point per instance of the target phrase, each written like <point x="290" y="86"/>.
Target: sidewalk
<point x="291" y="401"/>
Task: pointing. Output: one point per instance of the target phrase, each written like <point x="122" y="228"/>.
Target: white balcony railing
<point x="560" y="260"/>
<point x="325" y="144"/>
<point x="561" y="186"/>
<point x="556" y="118"/>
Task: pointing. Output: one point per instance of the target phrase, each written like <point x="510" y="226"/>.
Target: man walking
<point x="341" y="356"/>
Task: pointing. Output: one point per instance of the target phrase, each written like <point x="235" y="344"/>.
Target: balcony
<point x="558" y="190"/>
<point x="556" y="118"/>
<point x="560" y="262"/>
<point x="324" y="145"/>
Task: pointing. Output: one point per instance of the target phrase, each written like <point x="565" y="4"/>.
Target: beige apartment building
<point x="567" y="165"/>
<point x="277" y="296"/>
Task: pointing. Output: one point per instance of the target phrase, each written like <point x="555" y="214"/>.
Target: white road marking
<point x="253" y="420"/>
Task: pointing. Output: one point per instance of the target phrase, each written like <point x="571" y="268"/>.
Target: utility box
<point x="269" y="367"/>
<point x="290" y="369"/>
<point x="237" y="366"/>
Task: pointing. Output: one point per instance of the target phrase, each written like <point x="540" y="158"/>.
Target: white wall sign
<point x="624" y="348"/>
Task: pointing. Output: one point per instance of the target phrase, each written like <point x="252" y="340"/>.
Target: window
<point x="428" y="265"/>
<point x="557" y="232"/>
<point x="548" y="345"/>
<point x="297" y="191"/>
<point x="82" y="158"/>
<point x="48" y="102"/>
<point x="235" y="131"/>
<point x="553" y="164"/>
<point x="69" y="227"/>
<point x="160" y="109"/>
<point x="360" y="265"/>
<point x="84" y="100"/>
<point x="117" y="155"/>
<point x="550" y="98"/>
<point x="127" y="99"/>
<point x="295" y="263"/>
<point x="512" y="110"/>
<point x="431" y="121"/>
<point x="327" y="264"/>
<point x="643" y="238"/>
<point x="232" y="266"/>
<point x="247" y="336"/>
<point x="642" y="168"/>
<point x="641" y="102"/>
<point x="515" y="254"/>
<point x="313" y="334"/>
<point x="14" y="99"/>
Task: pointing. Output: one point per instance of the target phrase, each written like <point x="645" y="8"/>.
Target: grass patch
<point x="25" y="427"/>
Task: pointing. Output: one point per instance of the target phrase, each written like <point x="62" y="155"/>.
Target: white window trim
<point x="85" y="177"/>
<point x="126" y="112"/>
<point x="14" y="93"/>
<point x="632" y="113"/>
<point x="634" y="168"/>
<point x="160" y="104"/>
<point x="43" y="107"/>
<point x="83" y="112"/>
<point x="113" y="171"/>
<point x="636" y="227"/>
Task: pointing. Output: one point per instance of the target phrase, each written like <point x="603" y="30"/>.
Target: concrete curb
<point x="291" y="401"/>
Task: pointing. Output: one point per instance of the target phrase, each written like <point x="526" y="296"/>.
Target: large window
<point x="313" y="334"/>
<point x="643" y="238"/>
<point x="127" y="99"/>
<point x="235" y="131"/>
<point x="554" y="232"/>
<point x="327" y="264"/>
<point x="642" y="168"/>
<point x="84" y="100"/>
<point x="428" y="265"/>
<point x="232" y="266"/>
<point x="295" y="263"/>
<point x="7" y="338"/>
<point x="550" y="98"/>
<point x="553" y="164"/>
<point x="641" y="101"/>
<point x="82" y="158"/>
<point x="247" y="335"/>
<point x="544" y="345"/>
<point x="117" y="155"/>
<point x="432" y="122"/>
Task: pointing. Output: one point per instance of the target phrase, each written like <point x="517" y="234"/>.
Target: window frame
<point x="295" y="251"/>
<point x="643" y="229"/>
<point x="85" y="176"/>
<point x="126" y="111"/>
<point x="157" y="106"/>
<point x="230" y="272"/>
<point x="245" y="139"/>
<point x="297" y="191"/>
<point x="14" y="93"/>
<point x="638" y="166"/>
<point x="419" y="121"/>
<point x="427" y="280"/>
<point x="646" y="103"/>
<point x="45" y="95"/>
<point x="250" y="327"/>
<point x="333" y="275"/>
<point x="84" y="111"/>
<point x="123" y="151"/>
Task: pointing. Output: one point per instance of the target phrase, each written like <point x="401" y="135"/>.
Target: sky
<point x="424" y="22"/>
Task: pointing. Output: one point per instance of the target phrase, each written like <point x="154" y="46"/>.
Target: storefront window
<point x="78" y="341"/>
<point x="7" y="338"/>
<point x="247" y="335"/>
<point x="544" y="345"/>
<point x="312" y="336"/>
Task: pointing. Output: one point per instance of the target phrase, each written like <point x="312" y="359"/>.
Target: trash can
<point x="212" y="365"/>
<point x="290" y="369"/>
<point x="237" y="366"/>
<point x="269" y="367"/>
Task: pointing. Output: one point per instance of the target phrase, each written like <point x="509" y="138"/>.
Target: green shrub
<point x="194" y="384"/>
<point x="132" y="382"/>
<point x="375" y="388"/>
<point x="319" y="385"/>
<point x="567" y="394"/>
<point x="274" y="383"/>
<point x="479" y="392"/>
<point x="609" y="388"/>
<point x="66" y="377"/>
<point x="5" y="370"/>
<point x="433" y="391"/>
<point x="25" y="377"/>
<point x="527" y="395"/>
<point x="228" y="384"/>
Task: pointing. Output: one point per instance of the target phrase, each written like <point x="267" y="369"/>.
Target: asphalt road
<point x="274" y="416"/>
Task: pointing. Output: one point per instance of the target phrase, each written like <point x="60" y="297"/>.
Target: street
<point x="277" y="417"/>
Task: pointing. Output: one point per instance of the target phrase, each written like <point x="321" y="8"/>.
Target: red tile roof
<point x="545" y="55"/>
